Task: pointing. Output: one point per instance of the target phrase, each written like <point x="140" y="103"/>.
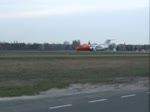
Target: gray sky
<point x="55" y="21"/>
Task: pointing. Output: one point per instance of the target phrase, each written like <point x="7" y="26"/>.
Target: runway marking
<point x="128" y="96"/>
<point x="61" y="106"/>
<point x="100" y="100"/>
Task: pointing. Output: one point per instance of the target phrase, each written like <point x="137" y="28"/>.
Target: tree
<point x="66" y="43"/>
<point x="75" y="43"/>
<point x="112" y="46"/>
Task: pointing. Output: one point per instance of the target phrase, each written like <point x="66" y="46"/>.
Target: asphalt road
<point x="110" y="101"/>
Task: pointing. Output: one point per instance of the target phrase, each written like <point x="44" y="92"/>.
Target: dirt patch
<point x="116" y="84"/>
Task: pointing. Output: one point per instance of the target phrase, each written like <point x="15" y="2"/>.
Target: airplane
<point x="94" y="47"/>
<point x="84" y="47"/>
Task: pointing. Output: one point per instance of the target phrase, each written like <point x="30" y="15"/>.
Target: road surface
<point x="108" y="101"/>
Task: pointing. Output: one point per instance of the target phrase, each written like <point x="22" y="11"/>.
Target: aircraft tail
<point x="107" y="42"/>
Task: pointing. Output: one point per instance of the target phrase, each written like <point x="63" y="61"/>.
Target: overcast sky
<point x="56" y="21"/>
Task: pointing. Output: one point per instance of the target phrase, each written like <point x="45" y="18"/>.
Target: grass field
<point x="47" y="53"/>
<point x="23" y="74"/>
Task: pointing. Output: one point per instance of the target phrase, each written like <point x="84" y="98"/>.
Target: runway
<point x="109" y="101"/>
<point x="70" y="56"/>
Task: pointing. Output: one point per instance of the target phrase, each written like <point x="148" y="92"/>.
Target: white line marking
<point x="61" y="106"/>
<point x="97" y="101"/>
<point x="128" y="96"/>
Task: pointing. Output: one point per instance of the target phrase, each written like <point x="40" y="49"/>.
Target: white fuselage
<point x="99" y="47"/>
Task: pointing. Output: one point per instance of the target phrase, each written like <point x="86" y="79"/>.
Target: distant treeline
<point x="36" y="46"/>
<point x="124" y="47"/>
<point x="66" y="46"/>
